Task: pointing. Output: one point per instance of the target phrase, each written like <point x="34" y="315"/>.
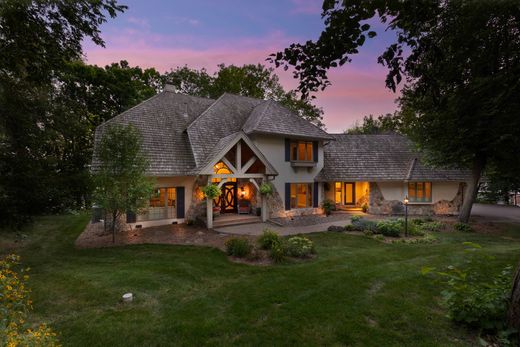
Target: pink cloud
<point x="357" y="89"/>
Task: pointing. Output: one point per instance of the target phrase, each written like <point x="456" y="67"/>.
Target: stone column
<point x="209" y="213"/>
<point x="264" y="208"/>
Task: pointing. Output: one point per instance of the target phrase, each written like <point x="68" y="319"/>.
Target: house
<point x="239" y="143"/>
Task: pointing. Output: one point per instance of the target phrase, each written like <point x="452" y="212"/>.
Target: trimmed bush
<point x="391" y="227"/>
<point x="268" y="239"/>
<point x="300" y="247"/>
<point x="463" y="227"/>
<point x="238" y="247"/>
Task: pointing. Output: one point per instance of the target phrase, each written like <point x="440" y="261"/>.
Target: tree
<point x="383" y="124"/>
<point x="251" y="80"/>
<point x="37" y="38"/>
<point x="84" y="97"/>
<point x="121" y="183"/>
<point x="461" y="65"/>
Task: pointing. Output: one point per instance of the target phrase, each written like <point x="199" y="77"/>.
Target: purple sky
<point x="203" y="33"/>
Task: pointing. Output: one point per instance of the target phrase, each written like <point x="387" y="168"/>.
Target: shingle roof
<point x="161" y="121"/>
<point x="270" y="117"/>
<point x="224" y="117"/>
<point x="379" y="158"/>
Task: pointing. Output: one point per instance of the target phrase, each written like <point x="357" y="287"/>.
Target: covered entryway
<point x="229" y="199"/>
<point x="238" y="168"/>
<point x="348" y="195"/>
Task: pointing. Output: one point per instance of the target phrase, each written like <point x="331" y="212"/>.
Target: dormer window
<point x="302" y="151"/>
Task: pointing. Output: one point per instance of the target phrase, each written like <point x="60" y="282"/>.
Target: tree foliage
<point x="120" y="181"/>
<point x="251" y="80"/>
<point x="460" y="61"/>
<point x="382" y="124"/>
<point x="37" y="38"/>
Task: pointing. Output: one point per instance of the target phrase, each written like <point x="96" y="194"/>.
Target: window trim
<point x="413" y="198"/>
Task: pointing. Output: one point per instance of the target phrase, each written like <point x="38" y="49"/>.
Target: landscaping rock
<point x="336" y="228"/>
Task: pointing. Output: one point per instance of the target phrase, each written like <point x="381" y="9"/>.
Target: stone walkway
<point x="258" y="228"/>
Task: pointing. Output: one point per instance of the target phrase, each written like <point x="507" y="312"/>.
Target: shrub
<point x="300" y="247"/>
<point x="363" y="224"/>
<point x="367" y="232"/>
<point x="350" y="227"/>
<point x="418" y="221"/>
<point x="238" y="247"/>
<point x="278" y="252"/>
<point x="473" y="297"/>
<point x="364" y="207"/>
<point x="415" y="231"/>
<point x="379" y="237"/>
<point x="428" y="238"/>
<point x="463" y="227"/>
<point x="390" y="227"/>
<point x="328" y="206"/>
<point x="432" y="226"/>
<point x="268" y="239"/>
<point x="211" y="191"/>
<point x="354" y="219"/>
<point x="15" y="305"/>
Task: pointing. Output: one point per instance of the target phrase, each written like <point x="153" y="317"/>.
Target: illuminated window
<point x="221" y="169"/>
<point x="301" y="195"/>
<point x="162" y="205"/>
<point x="338" y="197"/>
<point x="420" y="191"/>
<point x="301" y="151"/>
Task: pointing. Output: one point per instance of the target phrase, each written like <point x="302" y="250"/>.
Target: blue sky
<point x="166" y="34"/>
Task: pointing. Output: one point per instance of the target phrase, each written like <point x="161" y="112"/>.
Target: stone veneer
<point x="378" y="205"/>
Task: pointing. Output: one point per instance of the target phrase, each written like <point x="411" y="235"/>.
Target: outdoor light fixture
<point x="406" y="216"/>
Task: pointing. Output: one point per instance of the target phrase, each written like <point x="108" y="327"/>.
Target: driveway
<point x="496" y="212"/>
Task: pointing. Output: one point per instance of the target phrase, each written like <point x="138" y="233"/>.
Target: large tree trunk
<point x="514" y="308"/>
<point x="471" y="192"/>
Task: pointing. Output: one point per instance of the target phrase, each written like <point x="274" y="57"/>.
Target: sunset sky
<point x="203" y="33"/>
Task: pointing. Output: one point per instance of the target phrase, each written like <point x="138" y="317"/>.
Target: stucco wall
<point x="273" y="148"/>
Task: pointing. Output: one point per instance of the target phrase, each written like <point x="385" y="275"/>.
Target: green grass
<point x="358" y="292"/>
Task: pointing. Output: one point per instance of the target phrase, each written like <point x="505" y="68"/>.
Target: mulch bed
<point x="176" y="234"/>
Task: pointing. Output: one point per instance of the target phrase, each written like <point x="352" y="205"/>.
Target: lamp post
<point x="406" y="216"/>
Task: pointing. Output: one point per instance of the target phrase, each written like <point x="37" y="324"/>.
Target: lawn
<point x="358" y="292"/>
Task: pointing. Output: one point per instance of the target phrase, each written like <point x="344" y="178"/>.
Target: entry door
<point x="228" y="200"/>
<point x="350" y="193"/>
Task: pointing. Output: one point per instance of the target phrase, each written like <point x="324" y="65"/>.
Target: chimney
<point x="169" y="88"/>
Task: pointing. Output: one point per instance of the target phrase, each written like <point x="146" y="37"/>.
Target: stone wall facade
<point x="378" y="204"/>
<point x="197" y="208"/>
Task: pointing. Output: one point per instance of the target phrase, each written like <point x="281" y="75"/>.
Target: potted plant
<point x="328" y="206"/>
<point x="211" y="191"/>
<point x="266" y="189"/>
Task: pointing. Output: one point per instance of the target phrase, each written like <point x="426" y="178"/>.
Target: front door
<point x="350" y="193"/>
<point x="228" y="199"/>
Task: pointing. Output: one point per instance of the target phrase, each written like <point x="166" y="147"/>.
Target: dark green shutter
<point x="315" y="150"/>
<point x="180" y="202"/>
<point x="287" y="150"/>
<point x="287" y="196"/>
<point x="315" y="195"/>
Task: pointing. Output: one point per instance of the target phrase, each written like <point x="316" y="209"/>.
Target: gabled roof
<point x="224" y="117"/>
<point x="379" y="158"/>
<point x="270" y="117"/>
<point x="224" y="145"/>
<point x="161" y="121"/>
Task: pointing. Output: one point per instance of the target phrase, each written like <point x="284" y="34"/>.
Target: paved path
<point x="257" y="228"/>
<point x="496" y="212"/>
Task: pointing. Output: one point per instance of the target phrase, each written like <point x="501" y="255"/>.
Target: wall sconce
<point x="242" y="192"/>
